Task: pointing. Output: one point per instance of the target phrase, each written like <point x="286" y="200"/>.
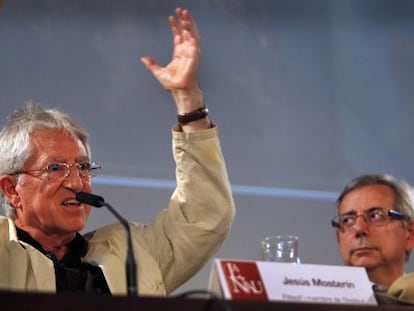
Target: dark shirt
<point x="72" y="275"/>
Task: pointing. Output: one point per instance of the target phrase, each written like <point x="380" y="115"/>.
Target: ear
<point x="8" y="186"/>
<point x="410" y="236"/>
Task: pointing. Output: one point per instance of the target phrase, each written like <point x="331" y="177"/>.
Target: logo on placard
<point x="243" y="280"/>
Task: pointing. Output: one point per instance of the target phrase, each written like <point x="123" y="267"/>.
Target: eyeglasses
<point x="57" y="171"/>
<point x="376" y="216"/>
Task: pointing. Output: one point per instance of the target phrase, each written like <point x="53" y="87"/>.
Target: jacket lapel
<point x="42" y="270"/>
<point x="28" y="270"/>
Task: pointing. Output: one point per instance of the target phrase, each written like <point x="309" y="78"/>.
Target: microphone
<point x="130" y="265"/>
<point x="90" y="199"/>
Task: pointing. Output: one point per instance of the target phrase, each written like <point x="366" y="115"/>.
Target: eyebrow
<point x="63" y="160"/>
<point x="367" y="210"/>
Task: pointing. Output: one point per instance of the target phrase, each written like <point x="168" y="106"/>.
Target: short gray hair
<point x="15" y="147"/>
<point x="402" y="190"/>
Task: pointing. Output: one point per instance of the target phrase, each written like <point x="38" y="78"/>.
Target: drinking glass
<point x="280" y="248"/>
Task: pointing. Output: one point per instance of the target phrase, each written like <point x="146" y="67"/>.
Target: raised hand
<point x="182" y="71"/>
<point x="180" y="76"/>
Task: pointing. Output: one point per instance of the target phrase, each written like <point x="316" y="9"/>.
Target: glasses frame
<point x="391" y="214"/>
<point x="94" y="169"/>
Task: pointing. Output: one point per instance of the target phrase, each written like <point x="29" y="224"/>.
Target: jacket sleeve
<point x="201" y="209"/>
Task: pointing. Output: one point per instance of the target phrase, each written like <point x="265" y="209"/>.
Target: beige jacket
<point x="402" y="289"/>
<point x="168" y="252"/>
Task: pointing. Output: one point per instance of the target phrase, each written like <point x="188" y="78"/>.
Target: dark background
<point x="307" y="94"/>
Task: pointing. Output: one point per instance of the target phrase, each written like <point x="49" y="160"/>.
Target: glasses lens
<point x="56" y="170"/>
<point x="347" y="221"/>
<point x="377" y="216"/>
<point x="84" y="168"/>
<point x="94" y="169"/>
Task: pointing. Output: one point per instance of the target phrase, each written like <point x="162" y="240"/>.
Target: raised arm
<point x="180" y="76"/>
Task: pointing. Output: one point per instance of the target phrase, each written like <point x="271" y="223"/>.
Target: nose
<point x="73" y="180"/>
<point x="361" y="225"/>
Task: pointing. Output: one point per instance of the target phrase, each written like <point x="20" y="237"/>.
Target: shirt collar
<point x="77" y="248"/>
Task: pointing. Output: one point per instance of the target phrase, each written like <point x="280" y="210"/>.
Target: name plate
<point x="262" y="280"/>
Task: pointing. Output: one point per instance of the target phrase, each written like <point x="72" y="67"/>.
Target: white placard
<point x="261" y="280"/>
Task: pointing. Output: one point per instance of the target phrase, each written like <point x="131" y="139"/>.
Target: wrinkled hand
<point x="182" y="71"/>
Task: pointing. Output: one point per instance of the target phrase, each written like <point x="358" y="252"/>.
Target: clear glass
<point x="280" y="248"/>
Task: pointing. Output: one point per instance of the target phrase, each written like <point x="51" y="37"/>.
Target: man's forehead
<point x="367" y="197"/>
<point x="52" y="135"/>
<point x="52" y="142"/>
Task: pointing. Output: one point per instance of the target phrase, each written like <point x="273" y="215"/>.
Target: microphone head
<point x="90" y="199"/>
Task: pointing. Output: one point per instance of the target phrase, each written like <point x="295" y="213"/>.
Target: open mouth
<point x="71" y="202"/>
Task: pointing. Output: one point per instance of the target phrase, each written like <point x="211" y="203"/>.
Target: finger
<point x="174" y="26"/>
<point x="186" y="20"/>
<point x="188" y="25"/>
<point x="150" y="63"/>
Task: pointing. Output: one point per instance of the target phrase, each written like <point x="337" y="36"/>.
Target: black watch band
<point x="195" y="115"/>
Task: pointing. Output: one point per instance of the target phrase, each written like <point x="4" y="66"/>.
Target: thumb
<point x="150" y="63"/>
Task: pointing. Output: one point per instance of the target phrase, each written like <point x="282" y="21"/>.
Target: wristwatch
<point x="195" y="115"/>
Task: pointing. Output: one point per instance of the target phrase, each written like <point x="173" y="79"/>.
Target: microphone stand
<point x="130" y="265"/>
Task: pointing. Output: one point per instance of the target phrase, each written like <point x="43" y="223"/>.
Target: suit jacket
<point x="168" y="252"/>
<point x="401" y="291"/>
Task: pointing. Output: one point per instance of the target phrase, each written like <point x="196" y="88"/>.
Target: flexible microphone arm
<point x="130" y="265"/>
